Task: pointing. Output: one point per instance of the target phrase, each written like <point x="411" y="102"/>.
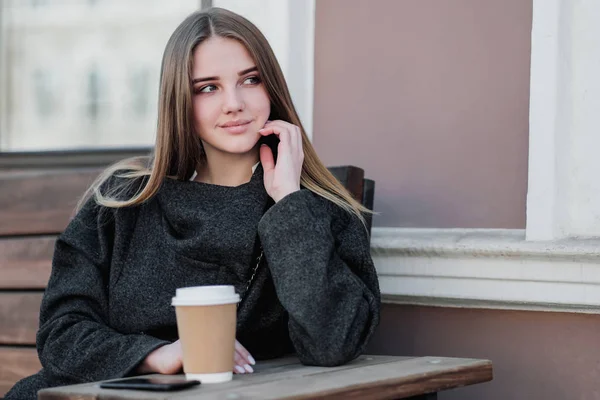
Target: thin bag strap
<point x="258" y="249"/>
<point x="254" y="270"/>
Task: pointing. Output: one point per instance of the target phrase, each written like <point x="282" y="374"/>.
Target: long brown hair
<point x="178" y="149"/>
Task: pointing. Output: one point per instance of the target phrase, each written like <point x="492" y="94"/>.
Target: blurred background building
<point x="84" y="73"/>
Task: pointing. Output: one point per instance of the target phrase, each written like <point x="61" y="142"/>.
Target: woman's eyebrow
<point x="216" y="78"/>
<point x="251" y="69"/>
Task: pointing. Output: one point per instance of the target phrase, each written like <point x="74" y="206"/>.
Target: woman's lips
<point x="236" y="127"/>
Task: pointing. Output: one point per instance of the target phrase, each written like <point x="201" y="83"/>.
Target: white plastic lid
<point x="205" y="296"/>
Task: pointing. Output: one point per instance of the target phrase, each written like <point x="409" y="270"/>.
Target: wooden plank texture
<point x="265" y="371"/>
<point x="40" y="202"/>
<point x="368" y="377"/>
<point x="397" y="380"/>
<point x="19" y="313"/>
<point x="16" y="363"/>
<point x="26" y="262"/>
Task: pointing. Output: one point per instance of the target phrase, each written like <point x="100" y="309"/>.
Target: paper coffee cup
<point x="206" y="321"/>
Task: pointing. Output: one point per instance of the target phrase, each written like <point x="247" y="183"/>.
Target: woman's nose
<point x="233" y="101"/>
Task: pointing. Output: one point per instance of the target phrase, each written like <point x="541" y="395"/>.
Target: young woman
<point x="235" y="194"/>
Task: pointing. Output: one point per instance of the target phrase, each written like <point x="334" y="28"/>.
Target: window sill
<point x="486" y="268"/>
<point x="59" y="159"/>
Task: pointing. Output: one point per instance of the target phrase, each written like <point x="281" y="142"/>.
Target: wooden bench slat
<point x="40" y="202"/>
<point x="17" y="363"/>
<point x="26" y="262"/>
<point x="19" y="313"/>
<point x="387" y="380"/>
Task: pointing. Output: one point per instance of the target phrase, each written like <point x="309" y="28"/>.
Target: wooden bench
<point x="35" y="206"/>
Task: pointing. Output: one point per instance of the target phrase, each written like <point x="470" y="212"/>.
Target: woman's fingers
<point x="242" y="359"/>
<point x="283" y="178"/>
<point x="282" y="134"/>
<point x="239" y="365"/>
<point x="300" y="146"/>
<point x="266" y="157"/>
<point x="242" y="365"/>
<point x="244" y="353"/>
<point x="294" y="133"/>
<point x="241" y="349"/>
<point x="298" y="137"/>
<point x="284" y="141"/>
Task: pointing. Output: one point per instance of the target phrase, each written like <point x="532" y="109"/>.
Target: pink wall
<point x="535" y="355"/>
<point x="431" y="98"/>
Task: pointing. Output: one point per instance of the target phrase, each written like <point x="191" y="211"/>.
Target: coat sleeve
<point x="319" y="257"/>
<point x="75" y="340"/>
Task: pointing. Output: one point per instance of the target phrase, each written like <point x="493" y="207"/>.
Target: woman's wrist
<point x="161" y="360"/>
<point x="147" y="365"/>
<point x="144" y="367"/>
<point x="278" y="197"/>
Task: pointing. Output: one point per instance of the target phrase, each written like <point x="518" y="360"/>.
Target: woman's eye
<point x="206" y="89"/>
<point x="252" y="80"/>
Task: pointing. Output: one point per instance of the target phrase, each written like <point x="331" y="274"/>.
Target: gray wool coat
<point x="115" y="271"/>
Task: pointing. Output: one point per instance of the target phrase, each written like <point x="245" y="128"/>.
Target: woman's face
<point x="230" y="101"/>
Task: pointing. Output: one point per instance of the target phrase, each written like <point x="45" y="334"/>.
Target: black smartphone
<point x="156" y="384"/>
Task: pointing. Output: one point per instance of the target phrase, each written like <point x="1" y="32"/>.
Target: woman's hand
<point x="282" y="178"/>
<point x="242" y="360"/>
<point x="167" y="360"/>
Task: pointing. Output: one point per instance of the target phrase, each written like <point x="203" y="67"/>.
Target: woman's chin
<point x="234" y="145"/>
<point x="245" y="149"/>
<point x="248" y="145"/>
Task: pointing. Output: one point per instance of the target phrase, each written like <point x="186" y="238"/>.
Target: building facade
<point x="478" y="121"/>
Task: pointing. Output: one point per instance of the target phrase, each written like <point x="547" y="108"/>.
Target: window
<point x="83" y="74"/>
<point x="80" y="74"/>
